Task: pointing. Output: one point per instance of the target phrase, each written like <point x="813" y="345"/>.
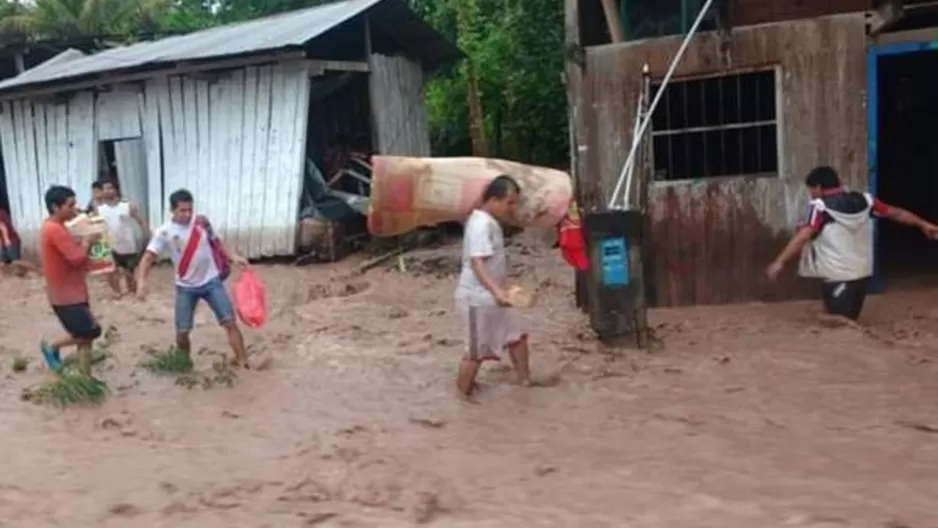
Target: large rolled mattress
<point x="407" y="193"/>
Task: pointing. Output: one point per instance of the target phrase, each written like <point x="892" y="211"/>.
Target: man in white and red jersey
<point x="836" y="240"/>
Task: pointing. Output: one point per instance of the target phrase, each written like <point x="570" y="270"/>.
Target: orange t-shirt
<point x="64" y="265"/>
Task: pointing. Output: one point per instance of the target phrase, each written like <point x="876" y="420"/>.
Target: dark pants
<point x="78" y="321"/>
<point x="844" y="298"/>
<point x="126" y="262"/>
<point x="10" y="254"/>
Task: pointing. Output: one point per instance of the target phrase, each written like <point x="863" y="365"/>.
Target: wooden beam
<point x="181" y="68"/>
<point x="573" y="70"/>
<point x="318" y="67"/>
<point x="613" y="21"/>
<point x="912" y="35"/>
<point x="886" y="16"/>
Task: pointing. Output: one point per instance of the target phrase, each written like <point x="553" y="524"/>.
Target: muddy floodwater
<point x="747" y="416"/>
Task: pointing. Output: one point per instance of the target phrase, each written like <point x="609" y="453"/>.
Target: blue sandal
<point x="52" y="357"/>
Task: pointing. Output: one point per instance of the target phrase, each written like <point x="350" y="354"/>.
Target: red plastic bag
<point x="250" y="299"/>
<point x="573" y="248"/>
<point x="570" y="240"/>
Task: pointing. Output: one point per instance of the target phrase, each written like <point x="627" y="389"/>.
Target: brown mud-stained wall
<point x="710" y="240"/>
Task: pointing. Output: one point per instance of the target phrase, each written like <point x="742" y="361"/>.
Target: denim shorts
<point x="213" y="293"/>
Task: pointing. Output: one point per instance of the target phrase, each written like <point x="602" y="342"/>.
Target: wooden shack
<point x="231" y="113"/>
<point x="766" y="91"/>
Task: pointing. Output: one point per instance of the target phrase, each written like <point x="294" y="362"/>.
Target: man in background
<point x="96" y="188"/>
<point x="835" y="241"/>
<point x="10" y="249"/>
<point x="120" y="216"/>
<point x="64" y="266"/>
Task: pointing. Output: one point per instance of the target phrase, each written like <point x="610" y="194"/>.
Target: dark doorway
<point x="907" y="161"/>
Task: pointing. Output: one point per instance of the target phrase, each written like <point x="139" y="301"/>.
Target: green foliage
<point x="71" y="388"/>
<point x="51" y="19"/>
<point x="172" y="361"/>
<point x="516" y="48"/>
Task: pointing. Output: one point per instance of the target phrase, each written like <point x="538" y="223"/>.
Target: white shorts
<point x="490" y="329"/>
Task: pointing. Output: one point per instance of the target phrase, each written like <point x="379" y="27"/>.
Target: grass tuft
<point x="70" y="388"/>
<point x="172" y="361"/>
<point x="20" y="364"/>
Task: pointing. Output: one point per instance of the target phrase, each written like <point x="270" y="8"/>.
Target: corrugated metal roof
<point x="57" y="61"/>
<point x="287" y="30"/>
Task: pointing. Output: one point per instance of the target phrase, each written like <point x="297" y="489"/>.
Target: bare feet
<point x="466" y="397"/>
<point x="240" y="363"/>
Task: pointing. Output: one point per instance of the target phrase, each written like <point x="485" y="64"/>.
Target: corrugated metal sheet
<point x="400" y="116"/>
<point x="710" y="240"/>
<point x="287" y="30"/>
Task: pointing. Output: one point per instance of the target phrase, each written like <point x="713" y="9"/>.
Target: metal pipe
<point x="638" y="119"/>
<point x="651" y="109"/>
<point x="642" y="113"/>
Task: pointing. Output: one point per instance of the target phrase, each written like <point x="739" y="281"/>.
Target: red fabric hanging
<point x="571" y="242"/>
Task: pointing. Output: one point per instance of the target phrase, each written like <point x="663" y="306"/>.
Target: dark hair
<point x="500" y="187"/>
<point x="180" y="196"/>
<point x="98" y="184"/>
<point x="56" y="196"/>
<point x="824" y="177"/>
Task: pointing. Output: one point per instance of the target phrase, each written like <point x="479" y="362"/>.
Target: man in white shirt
<point x="200" y="259"/>
<point x="481" y="295"/>
<point x="120" y="215"/>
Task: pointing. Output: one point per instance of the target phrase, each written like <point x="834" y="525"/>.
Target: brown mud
<point x="746" y="416"/>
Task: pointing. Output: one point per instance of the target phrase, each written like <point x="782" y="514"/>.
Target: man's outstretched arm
<point x="905" y="217"/>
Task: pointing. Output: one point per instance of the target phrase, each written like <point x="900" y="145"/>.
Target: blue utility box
<point x="616" y="293"/>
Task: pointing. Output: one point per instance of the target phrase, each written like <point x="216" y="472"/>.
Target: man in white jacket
<point x="835" y="241"/>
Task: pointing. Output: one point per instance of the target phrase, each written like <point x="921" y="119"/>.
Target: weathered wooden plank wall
<point x="400" y="117"/>
<point x="118" y="114"/>
<point x="711" y="239"/>
<point x="238" y="144"/>
<point x="45" y="144"/>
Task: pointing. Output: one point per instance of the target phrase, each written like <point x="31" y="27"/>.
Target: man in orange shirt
<point x="64" y="265"/>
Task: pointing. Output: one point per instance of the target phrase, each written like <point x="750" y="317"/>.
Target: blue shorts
<point x="10" y="254"/>
<point x="213" y="293"/>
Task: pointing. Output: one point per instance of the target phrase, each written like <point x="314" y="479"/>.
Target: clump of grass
<point x="20" y="364"/>
<point x="70" y="388"/>
<point x="172" y="361"/>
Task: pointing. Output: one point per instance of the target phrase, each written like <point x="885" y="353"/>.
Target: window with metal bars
<point x="718" y="126"/>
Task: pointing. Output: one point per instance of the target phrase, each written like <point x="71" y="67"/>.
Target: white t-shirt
<point x="120" y="227"/>
<point x="483" y="237"/>
<point x="172" y="238"/>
